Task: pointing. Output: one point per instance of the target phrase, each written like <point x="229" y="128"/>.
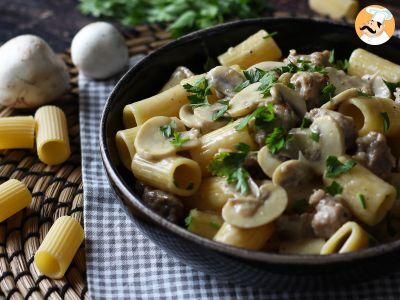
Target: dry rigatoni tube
<point x="52" y="140"/>
<point x="59" y="247"/>
<point x="14" y="196"/>
<point x="17" y="132"/>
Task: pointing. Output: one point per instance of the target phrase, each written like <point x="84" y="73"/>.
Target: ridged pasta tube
<point x="363" y="62"/>
<point x="251" y="238"/>
<point x="125" y="140"/>
<point x="203" y="223"/>
<point x="223" y="138"/>
<point x="59" y="247"/>
<point x="17" y="132"/>
<point x="335" y="9"/>
<point x="348" y="238"/>
<point x="52" y="139"/>
<point x="368" y="115"/>
<point x="175" y="174"/>
<point x="14" y="196"/>
<point x="256" y="48"/>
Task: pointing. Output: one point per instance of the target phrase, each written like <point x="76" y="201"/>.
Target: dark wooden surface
<point x="57" y="21"/>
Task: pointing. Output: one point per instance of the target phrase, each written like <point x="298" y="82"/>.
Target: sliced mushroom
<point x="343" y="82"/>
<point x="268" y="161"/>
<point x="331" y="142"/>
<point x="339" y="98"/>
<point x="267" y="65"/>
<point x="251" y="211"/>
<point x="246" y="100"/>
<point x="224" y="80"/>
<point x="201" y="117"/>
<point x="285" y="78"/>
<point x="282" y="93"/>
<point x="379" y="88"/>
<point x="301" y="142"/>
<point x="293" y="173"/>
<point x="150" y="143"/>
<point x="177" y="76"/>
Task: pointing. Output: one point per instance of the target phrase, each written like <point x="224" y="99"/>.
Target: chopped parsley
<point x="305" y="123"/>
<point x="263" y="114"/>
<point x="361" y="199"/>
<point x="277" y="139"/>
<point x="221" y="112"/>
<point x="270" y="35"/>
<point x="267" y="79"/>
<point x="230" y="165"/>
<point x="306" y="66"/>
<point x="328" y="91"/>
<point x="176" y="139"/>
<point x="332" y="56"/>
<point x="314" y="136"/>
<point x="340" y="64"/>
<point x="392" y="85"/>
<point x="168" y="130"/>
<point x="300" y="206"/>
<point x="189" y="219"/>
<point x="334" y="189"/>
<point x="215" y="225"/>
<point x="334" y="167"/>
<point x="360" y="93"/>
<point x="200" y="91"/>
<point x="386" y="121"/>
<point x="267" y="82"/>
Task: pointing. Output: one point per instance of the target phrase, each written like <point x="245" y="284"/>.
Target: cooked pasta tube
<point x="369" y="115"/>
<point x="362" y="62"/>
<point x="256" y="48"/>
<point x="203" y="223"/>
<point x="125" y="140"/>
<point x="306" y="246"/>
<point x="367" y="196"/>
<point x="348" y="238"/>
<point x="14" y="196"/>
<point x="252" y="238"/>
<point x="175" y="174"/>
<point x="59" y="247"/>
<point x="212" y="195"/>
<point x="167" y="103"/>
<point x="223" y="138"/>
<point x="52" y="139"/>
<point x="335" y="9"/>
<point x="17" y="132"/>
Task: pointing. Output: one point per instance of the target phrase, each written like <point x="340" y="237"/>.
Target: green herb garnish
<point x="386" y="121"/>
<point x="267" y="82"/>
<point x="215" y="225"/>
<point x="177" y="141"/>
<point x="392" y="85"/>
<point x="290" y="85"/>
<point x="200" y="91"/>
<point x="221" y="112"/>
<point x="332" y="56"/>
<point x="264" y="114"/>
<point x="230" y="165"/>
<point x="314" y="136"/>
<point x="277" y="139"/>
<point x="300" y="206"/>
<point x="360" y="93"/>
<point x="334" y="189"/>
<point x="168" y="130"/>
<point x="189" y="219"/>
<point x="270" y="35"/>
<point x="361" y="199"/>
<point x="305" y="123"/>
<point x="334" y="167"/>
<point x="328" y="92"/>
<point x="340" y="64"/>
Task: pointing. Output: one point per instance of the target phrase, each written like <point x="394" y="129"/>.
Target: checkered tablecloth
<point x="124" y="264"/>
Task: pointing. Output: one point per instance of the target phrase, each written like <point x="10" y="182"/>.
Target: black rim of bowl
<point x="258" y="256"/>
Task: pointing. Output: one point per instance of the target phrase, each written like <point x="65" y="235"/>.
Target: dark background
<point x="57" y="21"/>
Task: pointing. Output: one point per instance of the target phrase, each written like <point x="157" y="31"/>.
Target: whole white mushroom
<point x="31" y="74"/>
<point x="99" y="50"/>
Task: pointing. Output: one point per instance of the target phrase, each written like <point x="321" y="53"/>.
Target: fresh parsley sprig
<point x="334" y="189"/>
<point x="277" y="139"/>
<point x="334" y="167"/>
<point x="361" y="199"/>
<point x="386" y="121"/>
<point x="263" y="114"/>
<point x="339" y="64"/>
<point x="328" y="91"/>
<point x="392" y="86"/>
<point x="270" y="35"/>
<point x="199" y="92"/>
<point x="305" y="123"/>
<point x="175" y="138"/>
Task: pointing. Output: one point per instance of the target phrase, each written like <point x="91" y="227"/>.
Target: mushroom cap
<point x="245" y="101"/>
<point x="267" y="161"/>
<point x="283" y="93"/>
<point x="293" y="173"/>
<point x="267" y="65"/>
<point x="224" y="80"/>
<point x="250" y="211"/>
<point x="31" y="74"/>
<point x="99" y="50"/>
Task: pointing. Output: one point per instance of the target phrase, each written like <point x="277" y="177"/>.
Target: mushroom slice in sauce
<point x="379" y="88"/>
<point x="293" y="173"/>
<point x="150" y="143"/>
<point x="251" y="211"/>
<point x="268" y="161"/>
<point x="282" y="93"/>
<point x="246" y="100"/>
<point x="343" y="82"/>
<point x="331" y="142"/>
<point x="301" y="142"/>
<point x="179" y="74"/>
<point x="224" y="80"/>
<point x="267" y="65"/>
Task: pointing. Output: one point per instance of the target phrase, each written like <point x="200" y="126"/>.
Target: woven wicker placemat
<point x="56" y="191"/>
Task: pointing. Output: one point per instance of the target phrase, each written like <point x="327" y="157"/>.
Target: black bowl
<point x="241" y="266"/>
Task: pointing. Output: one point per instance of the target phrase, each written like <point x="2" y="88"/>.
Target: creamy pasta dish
<point x="295" y="154"/>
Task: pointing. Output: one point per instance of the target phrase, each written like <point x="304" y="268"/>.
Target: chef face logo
<point x="374" y="25"/>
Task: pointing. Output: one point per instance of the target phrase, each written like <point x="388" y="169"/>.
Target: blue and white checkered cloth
<point x="124" y="264"/>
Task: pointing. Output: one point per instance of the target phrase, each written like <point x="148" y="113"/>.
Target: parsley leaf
<point x="168" y="130"/>
<point x="267" y="82"/>
<point x="200" y="91"/>
<point x="334" y="189"/>
<point x="215" y="225"/>
<point x="305" y="123"/>
<point x="328" y="92"/>
<point x="230" y="165"/>
<point x="360" y="93"/>
<point x="392" y="85"/>
<point x="270" y="35"/>
<point x="221" y="112"/>
<point x="334" y="167"/>
<point x="177" y="141"/>
<point x="386" y="121"/>
<point x="361" y="199"/>
<point x="277" y="139"/>
<point x="300" y="206"/>
<point x="314" y="136"/>
<point x="332" y="56"/>
<point x="264" y="114"/>
<point x="252" y="76"/>
<point x="189" y="219"/>
<point x="340" y="64"/>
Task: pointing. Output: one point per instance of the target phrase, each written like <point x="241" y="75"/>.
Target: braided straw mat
<point x="56" y="191"/>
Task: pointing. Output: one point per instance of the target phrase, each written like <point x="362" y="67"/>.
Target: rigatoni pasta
<point x="203" y="223"/>
<point x="59" y="247"/>
<point x="17" y="132"/>
<point x="52" y="141"/>
<point x="125" y="140"/>
<point x="335" y="9"/>
<point x="14" y="196"/>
